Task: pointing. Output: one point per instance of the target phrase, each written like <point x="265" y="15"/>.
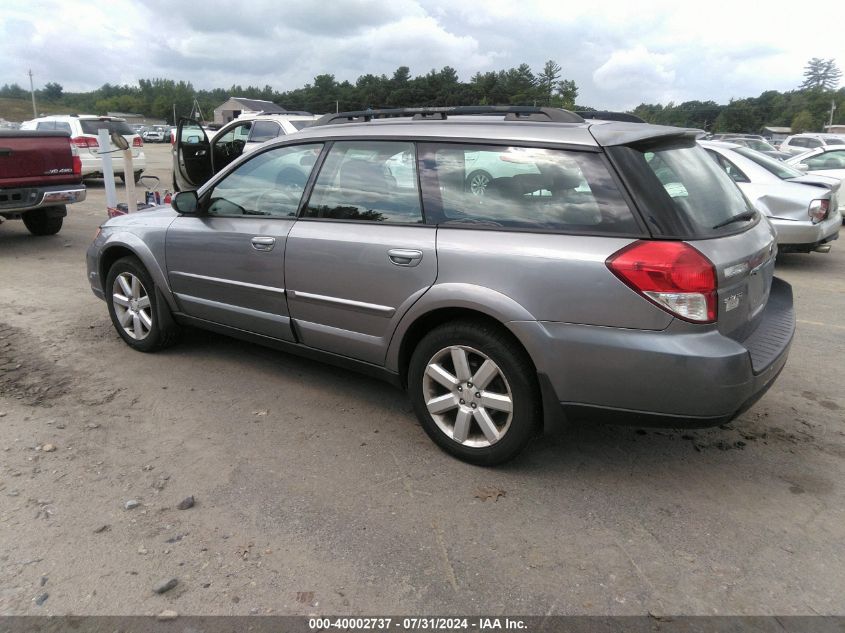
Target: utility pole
<point x="832" y="108"/>
<point x="32" y="91"/>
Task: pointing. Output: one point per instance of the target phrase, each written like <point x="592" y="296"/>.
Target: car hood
<point x="161" y="215"/>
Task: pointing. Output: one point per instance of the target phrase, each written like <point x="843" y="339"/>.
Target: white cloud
<point x="635" y="69"/>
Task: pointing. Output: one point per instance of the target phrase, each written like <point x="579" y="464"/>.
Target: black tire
<point x="38" y="222"/>
<point x="515" y="369"/>
<point x="163" y="331"/>
<point x="137" y="176"/>
<point x="478" y="188"/>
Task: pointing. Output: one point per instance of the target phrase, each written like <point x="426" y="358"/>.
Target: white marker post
<point x="108" y="171"/>
<point x="129" y="179"/>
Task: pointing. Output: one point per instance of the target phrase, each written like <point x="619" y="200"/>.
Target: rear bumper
<point x="92" y="166"/>
<point x="675" y="377"/>
<point x="16" y="201"/>
<point x="804" y="236"/>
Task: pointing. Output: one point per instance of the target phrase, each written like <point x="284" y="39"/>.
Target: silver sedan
<point x="802" y="207"/>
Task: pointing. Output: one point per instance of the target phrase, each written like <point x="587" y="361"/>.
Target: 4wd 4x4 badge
<point x="732" y="302"/>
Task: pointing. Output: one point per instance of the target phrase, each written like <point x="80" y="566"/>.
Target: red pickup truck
<point x="40" y="173"/>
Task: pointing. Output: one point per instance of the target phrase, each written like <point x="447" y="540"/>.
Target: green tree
<point x="52" y="91"/>
<point x="802" y="122"/>
<point x="821" y="74"/>
<point x="547" y="81"/>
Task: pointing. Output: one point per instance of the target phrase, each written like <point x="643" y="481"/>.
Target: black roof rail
<point x="607" y="115"/>
<point x="512" y="113"/>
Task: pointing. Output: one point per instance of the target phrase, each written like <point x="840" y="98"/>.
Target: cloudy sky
<point x="619" y="52"/>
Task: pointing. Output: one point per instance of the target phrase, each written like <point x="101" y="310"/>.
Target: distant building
<point x="236" y="106"/>
<point x="835" y="129"/>
<point x="777" y="134"/>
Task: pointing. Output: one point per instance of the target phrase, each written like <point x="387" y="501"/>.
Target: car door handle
<point x="200" y="152"/>
<point x="404" y="256"/>
<point x="263" y="243"/>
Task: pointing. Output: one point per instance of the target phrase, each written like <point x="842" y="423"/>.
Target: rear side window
<point x="834" y="141"/>
<point x="373" y="181"/>
<point x="91" y="126"/>
<point x="53" y="126"/>
<point x="301" y="125"/>
<point x="264" y="131"/>
<point x="526" y="188"/>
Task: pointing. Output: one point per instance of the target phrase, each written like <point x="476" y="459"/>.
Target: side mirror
<point x="185" y="202"/>
<point x="119" y="141"/>
<point x="802" y="167"/>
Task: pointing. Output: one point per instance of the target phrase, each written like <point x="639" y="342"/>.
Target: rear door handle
<point x="404" y="256"/>
<point x="263" y="243"/>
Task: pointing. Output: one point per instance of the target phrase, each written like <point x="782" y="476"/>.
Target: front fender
<point x="456" y="295"/>
<point x="125" y="240"/>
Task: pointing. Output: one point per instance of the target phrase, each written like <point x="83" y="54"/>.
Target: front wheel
<point x="40" y="222"/>
<point x="134" y="309"/>
<point x="474" y="390"/>
<point x="477" y="182"/>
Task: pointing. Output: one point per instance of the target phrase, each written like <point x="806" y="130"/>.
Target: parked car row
<point x="83" y="130"/>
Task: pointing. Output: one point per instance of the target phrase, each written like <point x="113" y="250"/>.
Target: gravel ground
<point x="315" y="491"/>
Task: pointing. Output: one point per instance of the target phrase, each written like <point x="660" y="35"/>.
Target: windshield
<point x="760" y="146"/>
<point x="778" y="168"/>
<point x="699" y="190"/>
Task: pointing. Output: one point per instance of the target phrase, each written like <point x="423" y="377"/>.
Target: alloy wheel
<point x="468" y="396"/>
<point x="132" y="306"/>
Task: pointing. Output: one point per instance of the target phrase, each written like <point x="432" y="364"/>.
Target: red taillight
<point x="137" y="142"/>
<point x="77" y="162"/>
<point x="819" y="209"/>
<point x="673" y="275"/>
<point x="84" y="142"/>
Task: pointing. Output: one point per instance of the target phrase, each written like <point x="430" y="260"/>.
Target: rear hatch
<point x="92" y="126"/>
<point x="30" y="158"/>
<point x="685" y="196"/>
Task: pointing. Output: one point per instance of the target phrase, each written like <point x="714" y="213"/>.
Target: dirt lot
<point x="317" y="492"/>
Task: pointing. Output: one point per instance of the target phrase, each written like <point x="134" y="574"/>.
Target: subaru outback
<point x="618" y="274"/>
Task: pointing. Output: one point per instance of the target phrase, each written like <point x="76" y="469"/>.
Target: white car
<point x="241" y="136"/>
<point x="800" y="143"/>
<point x="824" y="161"/>
<point x="83" y="130"/>
<point x="803" y="208"/>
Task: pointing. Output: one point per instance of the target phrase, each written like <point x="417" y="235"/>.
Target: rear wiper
<point x="739" y="217"/>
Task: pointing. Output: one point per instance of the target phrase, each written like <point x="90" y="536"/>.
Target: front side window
<point x="270" y="184"/>
<point x="373" y="181"/>
<point x="526" y="188"/>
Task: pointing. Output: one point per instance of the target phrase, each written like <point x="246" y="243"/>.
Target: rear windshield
<point x="90" y="126"/>
<point x="778" y="168"/>
<point x="682" y="192"/>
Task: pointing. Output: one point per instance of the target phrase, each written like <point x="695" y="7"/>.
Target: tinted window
<point x="797" y="142"/>
<point x="367" y="180"/>
<point x="523" y="188"/>
<point x="696" y="186"/>
<point x="834" y="141"/>
<point x="269" y="184"/>
<point x="91" y="126"/>
<point x="812" y="142"/>
<point x="264" y="131"/>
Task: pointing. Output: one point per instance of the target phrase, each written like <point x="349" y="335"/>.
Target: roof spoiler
<point x="607" y="115"/>
<point x="621" y="133"/>
<point x="512" y="113"/>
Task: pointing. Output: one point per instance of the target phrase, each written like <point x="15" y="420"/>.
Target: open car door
<point x="191" y="156"/>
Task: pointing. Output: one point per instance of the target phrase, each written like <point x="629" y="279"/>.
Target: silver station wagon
<point x="604" y="270"/>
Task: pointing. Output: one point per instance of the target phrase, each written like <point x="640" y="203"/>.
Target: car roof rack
<point x="512" y="113"/>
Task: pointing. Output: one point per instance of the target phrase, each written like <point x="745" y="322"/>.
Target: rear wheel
<point x="42" y="222"/>
<point x="134" y="308"/>
<point x="474" y="390"/>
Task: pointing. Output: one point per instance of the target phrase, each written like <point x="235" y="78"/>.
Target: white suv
<point x="83" y="129"/>
<point x="800" y="143"/>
